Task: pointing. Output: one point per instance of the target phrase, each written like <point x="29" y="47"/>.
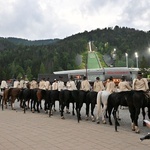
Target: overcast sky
<point x="49" y="19"/>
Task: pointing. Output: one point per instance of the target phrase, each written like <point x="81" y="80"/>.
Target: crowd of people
<point x="138" y="83"/>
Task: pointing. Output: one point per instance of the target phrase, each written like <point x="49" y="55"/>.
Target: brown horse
<point x="11" y="94"/>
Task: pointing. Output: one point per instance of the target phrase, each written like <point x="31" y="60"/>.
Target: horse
<point x="102" y="98"/>
<point x="91" y="98"/>
<point x="77" y="97"/>
<point x="54" y="96"/>
<point x="135" y="100"/>
<point x="65" y="98"/>
<point x="11" y="94"/>
<point x="40" y="95"/>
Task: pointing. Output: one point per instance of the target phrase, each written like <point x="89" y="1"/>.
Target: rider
<point x="85" y="85"/>
<point x="98" y="85"/>
<point x="124" y="85"/>
<point x="4" y="85"/>
<point x="110" y="86"/>
<point x="140" y="83"/>
<point x="71" y="84"/>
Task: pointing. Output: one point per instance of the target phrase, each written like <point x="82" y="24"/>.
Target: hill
<point x="20" y="57"/>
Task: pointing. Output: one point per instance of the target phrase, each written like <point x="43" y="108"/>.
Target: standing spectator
<point x="110" y="86"/>
<point x="98" y="85"/>
<point x="124" y="85"/>
<point x="140" y="83"/>
<point x="3" y="85"/>
<point x="85" y="85"/>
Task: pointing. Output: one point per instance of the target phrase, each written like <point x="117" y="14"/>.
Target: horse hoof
<point x="98" y="122"/>
<point x="62" y="117"/>
<point x="104" y="122"/>
<point x="68" y="112"/>
<point x="137" y="130"/>
<point x="93" y="120"/>
<point x="86" y="118"/>
<point x="133" y="127"/>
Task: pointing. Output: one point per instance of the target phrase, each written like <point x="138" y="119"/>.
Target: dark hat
<point x="97" y="78"/>
<point x="84" y="77"/>
<point x="71" y="77"/>
<point x="123" y="78"/>
<point x="60" y="77"/>
<point x="110" y="78"/>
<point x="139" y="73"/>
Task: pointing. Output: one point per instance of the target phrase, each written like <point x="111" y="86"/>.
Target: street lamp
<point x="126" y="54"/>
<point x="136" y="56"/>
<point x="114" y="56"/>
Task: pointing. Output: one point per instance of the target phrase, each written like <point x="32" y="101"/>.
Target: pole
<point x="137" y="62"/>
<point x="126" y="54"/>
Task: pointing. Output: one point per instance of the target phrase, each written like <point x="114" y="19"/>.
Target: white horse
<point x="102" y="98"/>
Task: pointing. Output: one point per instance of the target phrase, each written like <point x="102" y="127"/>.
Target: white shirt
<point x="16" y="84"/>
<point x="4" y="84"/>
<point x="71" y="85"/>
<point x="61" y="85"/>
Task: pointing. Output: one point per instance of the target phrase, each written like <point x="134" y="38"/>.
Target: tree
<point x="29" y="74"/>
<point x="42" y="69"/>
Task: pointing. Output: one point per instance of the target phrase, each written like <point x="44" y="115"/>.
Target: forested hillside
<point x="19" y="58"/>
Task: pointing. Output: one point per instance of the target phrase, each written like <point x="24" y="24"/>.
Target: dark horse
<point x="135" y="100"/>
<point x="91" y="98"/>
<point x="77" y="97"/>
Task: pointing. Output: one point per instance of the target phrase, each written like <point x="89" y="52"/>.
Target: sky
<point x="50" y="19"/>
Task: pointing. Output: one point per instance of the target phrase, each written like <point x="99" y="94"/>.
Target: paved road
<point x="33" y="131"/>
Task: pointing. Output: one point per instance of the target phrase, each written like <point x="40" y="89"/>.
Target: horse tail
<point x="98" y="100"/>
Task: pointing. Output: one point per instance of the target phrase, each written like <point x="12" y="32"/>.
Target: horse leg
<point x="67" y="107"/>
<point x="24" y="105"/>
<point x="98" y="107"/>
<point x="38" y="103"/>
<point x="137" y="112"/>
<point x="87" y="110"/>
<point x="109" y="114"/>
<point x="92" y="110"/>
<point x="104" y="113"/>
<point x="28" y="101"/>
<point x="62" y="110"/>
<point x="73" y="113"/>
<point x="13" y="103"/>
<point x="132" y="114"/>
<point x="143" y="113"/>
<point x="115" y="118"/>
<point x="21" y="102"/>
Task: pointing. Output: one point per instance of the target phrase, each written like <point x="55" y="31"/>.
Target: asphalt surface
<point x="38" y="131"/>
